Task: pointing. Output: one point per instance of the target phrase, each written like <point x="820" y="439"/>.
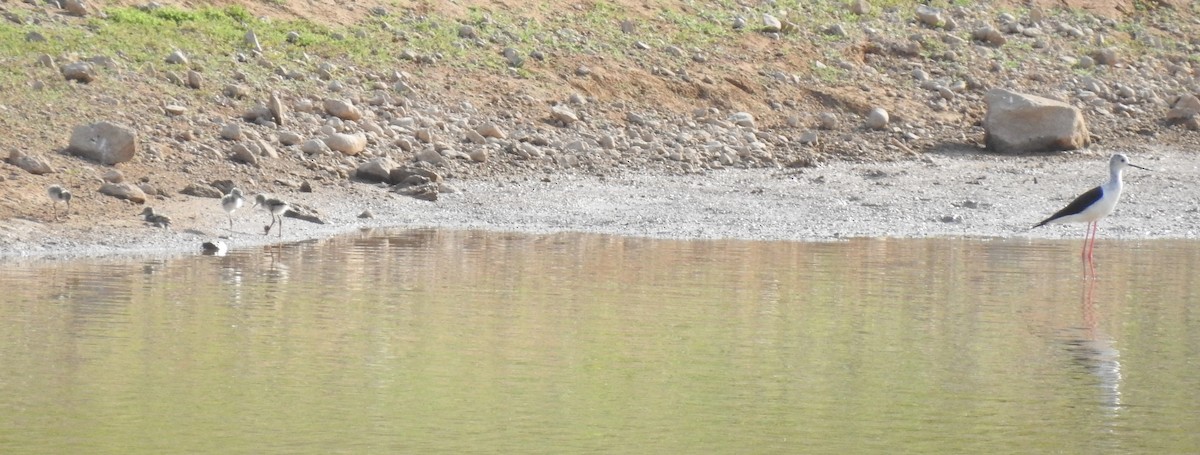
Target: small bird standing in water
<point x="156" y="219"/>
<point x="1095" y="204"/>
<point x="231" y="202"/>
<point x="276" y="207"/>
<point x="59" y="194"/>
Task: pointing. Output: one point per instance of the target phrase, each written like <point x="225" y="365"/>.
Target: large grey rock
<point x="1022" y="123"/>
<point x="32" y="164"/>
<point x="104" y="143"/>
<point x="124" y="191"/>
<point x="348" y="144"/>
<point x="375" y="170"/>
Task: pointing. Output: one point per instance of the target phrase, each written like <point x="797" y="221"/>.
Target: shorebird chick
<point x="59" y="194"/>
<point x="214" y="248"/>
<point x="156" y="219"/>
<point x="276" y="207"/>
<point x="231" y="202"/>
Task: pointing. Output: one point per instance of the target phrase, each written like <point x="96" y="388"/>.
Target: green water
<point x="477" y="342"/>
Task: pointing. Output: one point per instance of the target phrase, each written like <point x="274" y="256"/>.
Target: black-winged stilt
<point x="59" y="194"/>
<point x="1095" y="204"/>
<point x="231" y="202"/>
<point x="277" y="209"/>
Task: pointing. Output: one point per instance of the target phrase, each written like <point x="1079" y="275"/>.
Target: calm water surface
<point x="469" y="342"/>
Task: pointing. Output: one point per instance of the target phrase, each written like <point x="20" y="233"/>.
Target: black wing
<point x="1080" y="204"/>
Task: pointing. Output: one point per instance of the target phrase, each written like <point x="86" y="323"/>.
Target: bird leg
<point x="281" y="225"/>
<point x="1092" y="247"/>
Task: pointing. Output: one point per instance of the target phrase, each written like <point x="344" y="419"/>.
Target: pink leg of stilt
<point x="1092" y="248"/>
<point x="1087" y="233"/>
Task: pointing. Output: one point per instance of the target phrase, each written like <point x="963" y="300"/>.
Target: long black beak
<point x="1139" y="167"/>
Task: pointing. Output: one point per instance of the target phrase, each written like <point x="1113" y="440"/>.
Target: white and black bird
<point x="276" y="207"/>
<point x="231" y="202"/>
<point x="214" y="248"/>
<point x="1095" y="204"/>
<point x="156" y="219"/>
<point x="59" y="194"/>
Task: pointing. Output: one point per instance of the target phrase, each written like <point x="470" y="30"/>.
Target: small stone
<point x="289" y="138"/>
<point x="201" y="190"/>
<point x="478" y="155"/>
<point x="251" y="39"/>
<point x="306" y="187"/>
<point x="177" y="58"/>
<point x="431" y="156"/>
<point x="771" y="24"/>
<point x="113" y="176"/>
<point x="79" y="71"/>
<point x="241" y="153"/>
<point x="808" y="137"/>
<point x="513" y="57"/>
<point x="292" y="37"/>
<point x="174" y="110"/>
<point x="467" y="32"/>
<point x="75" y="7"/>
<point x="348" y="144"/>
<point x="314" y="147"/>
<point x="124" y="191"/>
<point x="375" y="170"/>
<point x="491" y="130"/>
<point x="930" y="16"/>
<point x="1106" y="56"/>
<point x="236" y="91"/>
<point x="828" y="120"/>
<point x="1187" y="106"/>
<point x="744" y="119"/>
<point x="877" y="119"/>
<point x="860" y="7"/>
<point x="231" y="131"/>
<point x="366" y="214"/>
<point x="277" y="109"/>
<point x="342" y="109"/>
<point x="563" y="114"/>
<point x="36" y="165"/>
<point x="194" y="80"/>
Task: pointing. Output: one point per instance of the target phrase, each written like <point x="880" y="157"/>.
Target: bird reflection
<point x="1094" y="350"/>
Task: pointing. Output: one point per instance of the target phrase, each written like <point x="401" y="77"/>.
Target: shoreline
<point x="968" y="194"/>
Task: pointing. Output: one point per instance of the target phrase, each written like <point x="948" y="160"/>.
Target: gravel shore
<point x="971" y="194"/>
